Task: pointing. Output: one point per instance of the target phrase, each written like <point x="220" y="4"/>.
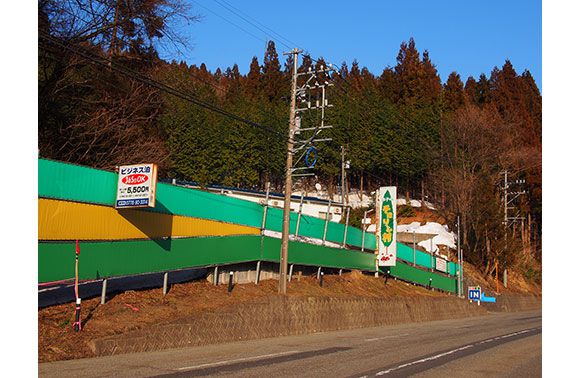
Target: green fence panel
<point x="314" y="228"/>
<point x="76" y="183"/>
<point x="452" y="268"/>
<point x="316" y="255"/>
<point x="122" y="258"/>
<point x="404" y="252"/>
<point x="424" y="259"/>
<point x="82" y="184"/>
<point x="412" y="274"/>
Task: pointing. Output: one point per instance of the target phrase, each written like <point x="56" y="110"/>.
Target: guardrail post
<point x="321" y="278"/>
<point x="364" y="229"/>
<point x="326" y="222"/>
<point x="432" y="256"/>
<point x="216" y="279"/>
<point x="346" y="227"/>
<point x="414" y="251"/>
<point x="258" y="272"/>
<point x="299" y="214"/>
<point x="231" y="282"/>
<point x="340" y="272"/>
<point x="290" y="272"/>
<point x="318" y="274"/>
<point x="265" y="208"/>
<point x="104" y="292"/>
<point x="165" y="279"/>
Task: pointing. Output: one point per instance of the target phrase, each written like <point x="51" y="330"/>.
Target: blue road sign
<point x="474" y="294"/>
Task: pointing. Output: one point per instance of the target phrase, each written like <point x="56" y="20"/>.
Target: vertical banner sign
<point x="136" y="186"/>
<point x="387" y="226"/>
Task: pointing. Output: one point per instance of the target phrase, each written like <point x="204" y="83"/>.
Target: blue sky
<point x="470" y="37"/>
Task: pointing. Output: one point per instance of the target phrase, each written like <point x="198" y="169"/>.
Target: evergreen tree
<point x="273" y="83"/>
<point x="453" y="95"/>
<point x="252" y="84"/>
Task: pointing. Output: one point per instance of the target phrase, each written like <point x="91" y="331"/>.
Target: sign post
<point x="136" y="186"/>
<point x="474" y="294"/>
<point x="77" y="324"/>
<point x="387" y="226"/>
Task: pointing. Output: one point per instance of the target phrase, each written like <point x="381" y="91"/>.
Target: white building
<point x="313" y="206"/>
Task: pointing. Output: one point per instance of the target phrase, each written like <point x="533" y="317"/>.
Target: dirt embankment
<point x="131" y="311"/>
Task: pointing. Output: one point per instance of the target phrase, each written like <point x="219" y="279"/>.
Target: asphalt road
<point x="496" y="345"/>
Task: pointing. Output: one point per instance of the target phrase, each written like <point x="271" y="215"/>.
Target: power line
<point x="255" y="23"/>
<point x="156" y="84"/>
<point x="231" y="22"/>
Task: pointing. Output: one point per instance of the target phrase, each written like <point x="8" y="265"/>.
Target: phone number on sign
<point x="132" y="202"/>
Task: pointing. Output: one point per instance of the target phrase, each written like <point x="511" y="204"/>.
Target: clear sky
<point x="467" y="36"/>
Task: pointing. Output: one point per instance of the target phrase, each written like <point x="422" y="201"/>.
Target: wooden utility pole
<point x="288" y="186"/>
<point x="342" y="174"/>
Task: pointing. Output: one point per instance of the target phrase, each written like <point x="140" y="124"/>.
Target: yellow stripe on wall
<point x="64" y="220"/>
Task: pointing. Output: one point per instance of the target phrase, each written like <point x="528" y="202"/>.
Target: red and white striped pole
<point x="77" y="323"/>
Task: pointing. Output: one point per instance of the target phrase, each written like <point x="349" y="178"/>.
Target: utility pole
<point x="342" y="174"/>
<point x="508" y="198"/>
<point x="288" y="185"/>
<point x="459" y="258"/>
<point x="315" y="82"/>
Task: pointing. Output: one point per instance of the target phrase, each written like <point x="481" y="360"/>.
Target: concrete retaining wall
<point x="280" y="316"/>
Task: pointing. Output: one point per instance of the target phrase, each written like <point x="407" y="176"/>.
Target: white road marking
<point x="453" y="351"/>
<point x="425" y="359"/>
<point x="236" y="360"/>
<point x="386" y="337"/>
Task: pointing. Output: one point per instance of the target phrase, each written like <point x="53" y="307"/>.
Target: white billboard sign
<point x="387" y="225"/>
<point x="441" y="264"/>
<point x="136" y="186"/>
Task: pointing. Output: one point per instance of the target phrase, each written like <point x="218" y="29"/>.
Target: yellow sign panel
<point x="65" y="220"/>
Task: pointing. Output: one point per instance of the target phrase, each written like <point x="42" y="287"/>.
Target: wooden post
<point x="496" y="277"/>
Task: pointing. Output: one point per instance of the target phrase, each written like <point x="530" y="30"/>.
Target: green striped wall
<point x="97" y="260"/>
<point x="71" y="182"/>
<point x="412" y="274"/>
<point x="404" y="252"/>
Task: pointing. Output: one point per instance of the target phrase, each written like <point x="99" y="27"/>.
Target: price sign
<point x="136" y="186"/>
